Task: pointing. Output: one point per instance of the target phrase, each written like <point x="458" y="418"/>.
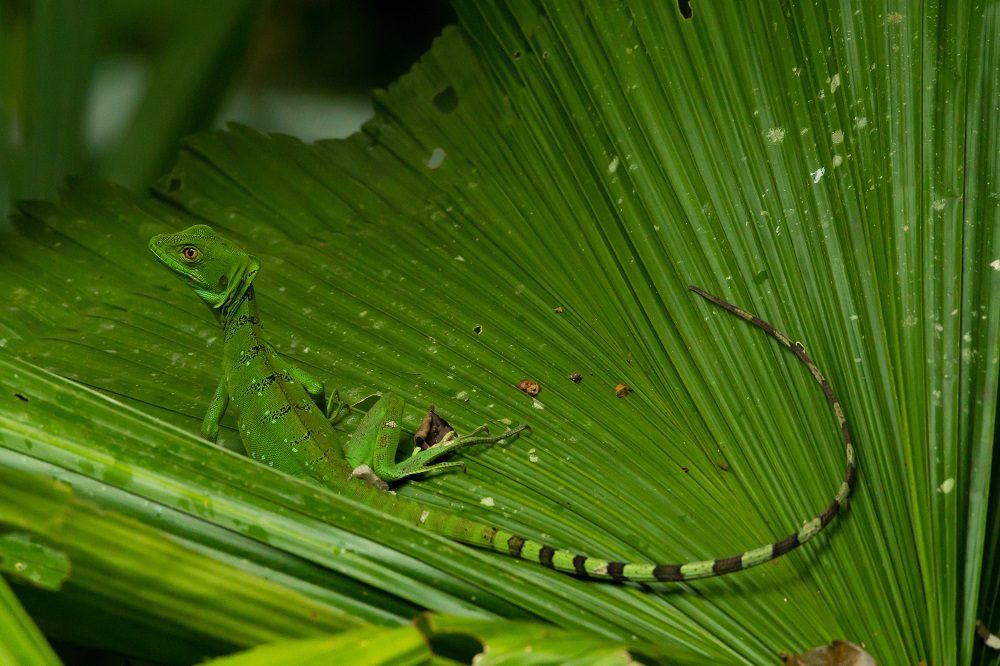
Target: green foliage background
<point x="830" y="166"/>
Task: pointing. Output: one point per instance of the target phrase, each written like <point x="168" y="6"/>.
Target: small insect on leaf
<point x="622" y="390"/>
<point x="575" y="377"/>
<point x="21" y="397"/>
<point x="559" y="309"/>
<point x="529" y="386"/>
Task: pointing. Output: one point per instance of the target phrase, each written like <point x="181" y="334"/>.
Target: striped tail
<point x="588" y="567"/>
<point x="990" y="639"/>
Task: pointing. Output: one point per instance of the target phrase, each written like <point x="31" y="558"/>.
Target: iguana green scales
<point x="285" y="422"/>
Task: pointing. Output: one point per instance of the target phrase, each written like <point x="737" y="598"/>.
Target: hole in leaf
<point x="461" y="648"/>
<point x="447" y="100"/>
<point x="684" y="6"/>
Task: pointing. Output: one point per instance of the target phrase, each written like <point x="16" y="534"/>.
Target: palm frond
<point x="827" y="166"/>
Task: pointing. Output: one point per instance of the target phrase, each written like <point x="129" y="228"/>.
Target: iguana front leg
<point x="371" y="450"/>
<point x="216" y="409"/>
<point x="334" y="408"/>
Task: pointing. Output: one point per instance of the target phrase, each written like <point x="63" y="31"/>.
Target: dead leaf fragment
<point x="432" y="430"/>
<point x="838" y="653"/>
<point x="529" y="386"/>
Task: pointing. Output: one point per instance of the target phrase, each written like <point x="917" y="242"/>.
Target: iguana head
<point x="217" y="270"/>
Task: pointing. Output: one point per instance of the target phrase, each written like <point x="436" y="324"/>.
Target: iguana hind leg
<point x="419" y="462"/>
<point x="371" y="450"/>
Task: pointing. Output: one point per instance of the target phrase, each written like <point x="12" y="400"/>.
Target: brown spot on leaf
<point x="838" y="653"/>
<point x="529" y="386"/>
<point x="622" y="390"/>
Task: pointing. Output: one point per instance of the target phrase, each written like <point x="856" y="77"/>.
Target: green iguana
<point x="285" y="422"/>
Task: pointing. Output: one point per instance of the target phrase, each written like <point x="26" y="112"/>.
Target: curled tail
<point x="589" y="567"/>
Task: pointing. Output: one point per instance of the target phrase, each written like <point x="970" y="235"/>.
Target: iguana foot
<point x="371" y="449"/>
<point x="336" y="409"/>
<point x="420" y="461"/>
<point x="480" y="435"/>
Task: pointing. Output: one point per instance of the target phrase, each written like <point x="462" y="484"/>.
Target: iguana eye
<point x="190" y="253"/>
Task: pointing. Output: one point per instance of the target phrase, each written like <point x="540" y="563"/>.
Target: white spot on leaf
<point x="436" y="158"/>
